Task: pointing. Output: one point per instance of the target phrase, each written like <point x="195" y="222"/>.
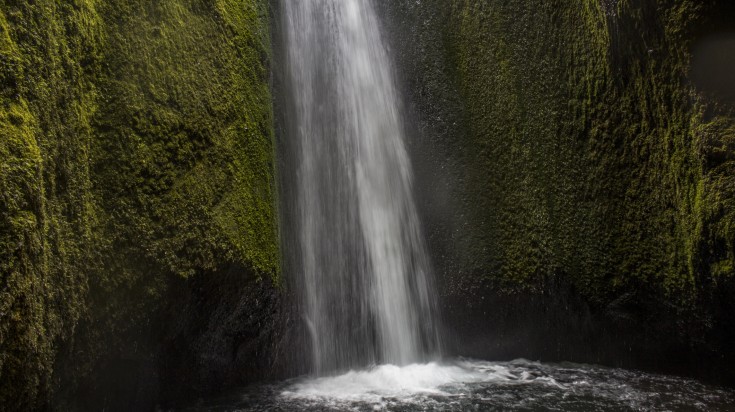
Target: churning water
<point x="363" y="272"/>
<point x="467" y="385"/>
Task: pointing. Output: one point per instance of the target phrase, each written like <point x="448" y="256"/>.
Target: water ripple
<point x="466" y="384"/>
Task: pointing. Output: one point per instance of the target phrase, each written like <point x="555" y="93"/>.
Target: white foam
<point x="389" y="382"/>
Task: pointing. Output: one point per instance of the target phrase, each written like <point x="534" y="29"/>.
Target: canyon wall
<point x="577" y="180"/>
<point x="138" y="240"/>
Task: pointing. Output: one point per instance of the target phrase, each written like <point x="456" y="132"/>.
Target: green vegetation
<point x="136" y="151"/>
<point x="583" y="153"/>
<point x="136" y="146"/>
<point x="574" y="168"/>
<point x="588" y="147"/>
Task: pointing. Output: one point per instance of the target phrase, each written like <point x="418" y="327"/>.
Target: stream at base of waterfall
<point x="470" y="385"/>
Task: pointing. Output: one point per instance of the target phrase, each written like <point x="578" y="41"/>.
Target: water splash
<point x="466" y="384"/>
<point x="363" y="270"/>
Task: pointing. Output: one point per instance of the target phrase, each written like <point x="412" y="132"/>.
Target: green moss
<point x="47" y="218"/>
<point x="716" y="141"/>
<point x="20" y="246"/>
<point x="585" y="155"/>
<point x="136" y="145"/>
<point x="198" y="156"/>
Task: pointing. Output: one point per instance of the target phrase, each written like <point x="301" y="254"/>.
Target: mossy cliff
<point x="136" y="174"/>
<point x="579" y="189"/>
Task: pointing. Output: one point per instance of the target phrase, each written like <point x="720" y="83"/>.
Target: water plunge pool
<point x="472" y="385"/>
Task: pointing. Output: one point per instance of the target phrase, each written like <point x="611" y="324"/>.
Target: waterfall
<point x="362" y="267"/>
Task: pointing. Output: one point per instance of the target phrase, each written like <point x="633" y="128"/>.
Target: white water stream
<point x="363" y="270"/>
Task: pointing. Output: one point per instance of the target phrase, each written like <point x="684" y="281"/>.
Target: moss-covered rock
<point x="580" y="161"/>
<point x="136" y="151"/>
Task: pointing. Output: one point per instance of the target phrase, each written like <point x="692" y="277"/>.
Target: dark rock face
<point x="712" y="51"/>
<point x="226" y="331"/>
<point x="558" y="325"/>
<point x="576" y="186"/>
<point x="211" y="334"/>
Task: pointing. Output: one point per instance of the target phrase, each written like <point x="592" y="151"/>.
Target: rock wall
<point x="137" y="176"/>
<point x="575" y="167"/>
<point x="578" y="186"/>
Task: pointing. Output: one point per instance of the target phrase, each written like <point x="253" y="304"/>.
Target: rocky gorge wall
<point x="577" y="181"/>
<point x="577" y="184"/>
<point x="138" y="206"/>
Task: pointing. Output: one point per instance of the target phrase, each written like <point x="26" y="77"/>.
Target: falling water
<point x="363" y="270"/>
